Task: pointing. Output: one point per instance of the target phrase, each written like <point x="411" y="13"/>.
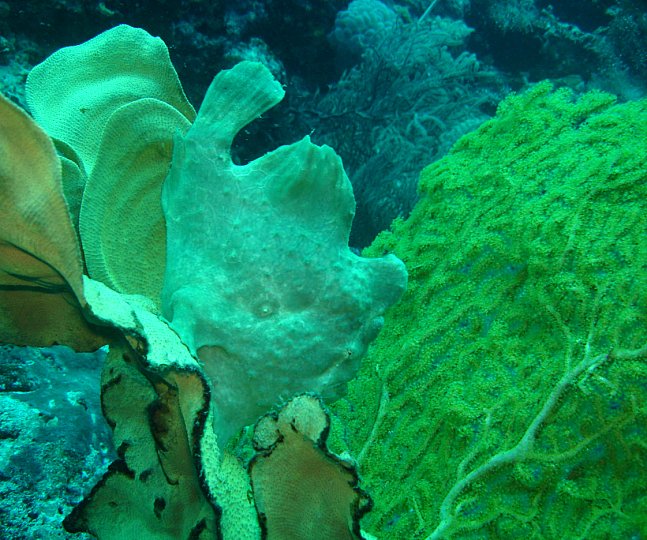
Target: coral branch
<point x="523" y="449"/>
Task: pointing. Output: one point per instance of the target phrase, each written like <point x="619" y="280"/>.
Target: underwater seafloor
<point x="497" y="148"/>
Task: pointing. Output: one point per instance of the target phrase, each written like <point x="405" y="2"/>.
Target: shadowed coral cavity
<point x="300" y="489"/>
<point x="260" y="282"/>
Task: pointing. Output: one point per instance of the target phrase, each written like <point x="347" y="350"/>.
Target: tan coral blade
<point x="41" y="285"/>
<point x="294" y="465"/>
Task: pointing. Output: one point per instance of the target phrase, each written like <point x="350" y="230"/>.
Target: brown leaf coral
<point x="318" y="498"/>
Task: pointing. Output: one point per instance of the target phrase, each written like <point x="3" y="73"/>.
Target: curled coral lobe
<point x="75" y="91"/>
<point x="156" y="400"/>
<point x="301" y="490"/>
<point x="122" y="198"/>
<point x="112" y="106"/>
<point x="34" y="217"/>
<point x="153" y="491"/>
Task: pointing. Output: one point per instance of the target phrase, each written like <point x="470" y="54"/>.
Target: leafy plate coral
<point x="221" y="290"/>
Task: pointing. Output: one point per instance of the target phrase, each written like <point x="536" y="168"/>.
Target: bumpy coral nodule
<point x="260" y="282"/>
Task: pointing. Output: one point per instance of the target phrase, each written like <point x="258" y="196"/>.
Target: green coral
<point x="506" y="395"/>
<point x="286" y="307"/>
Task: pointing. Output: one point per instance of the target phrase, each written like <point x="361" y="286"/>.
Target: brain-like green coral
<point x="506" y="396"/>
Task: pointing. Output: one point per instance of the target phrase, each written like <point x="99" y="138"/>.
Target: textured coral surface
<point x="505" y="397"/>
